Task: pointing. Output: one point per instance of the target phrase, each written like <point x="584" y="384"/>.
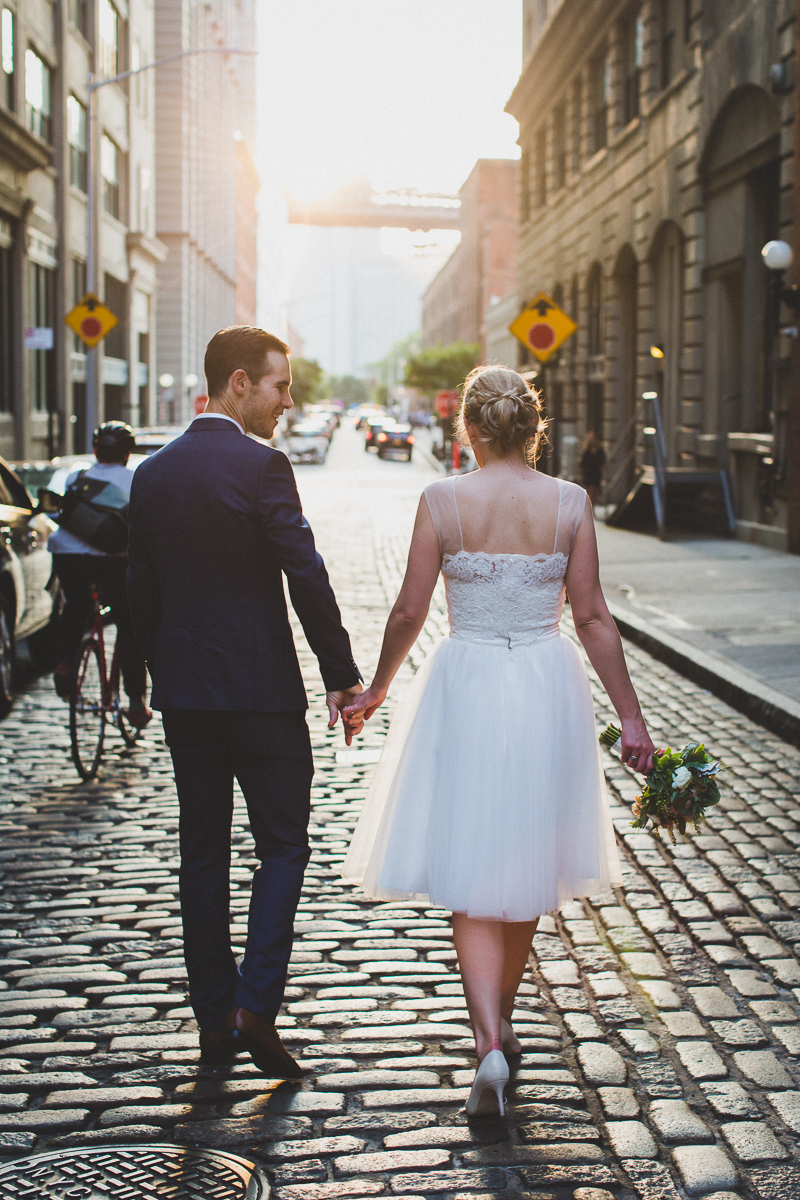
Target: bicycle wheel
<point x="87" y="718"/>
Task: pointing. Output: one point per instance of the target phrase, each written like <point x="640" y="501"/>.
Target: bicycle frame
<point x="110" y="680"/>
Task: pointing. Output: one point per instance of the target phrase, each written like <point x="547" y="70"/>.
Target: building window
<point x="79" y="15"/>
<point x="76" y="135"/>
<point x="145" y="197"/>
<point x="37" y="95"/>
<point x="524" y="186"/>
<point x="577" y="102"/>
<point x="601" y="98"/>
<point x="42" y="285"/>
<point x="78" y="292"/>
<point x="6" y="323"/>
<point x="633" y="50"/>
<point x="540" y="169"/>
<point x="110" y="172"/>
<point x="7" y="56"/>
<point x="671" y="40"/>
<point x="109" y="39"/>
<point x="559" y="147"/>
<point x="115" y="344"/>
<point x="594" y="314"/>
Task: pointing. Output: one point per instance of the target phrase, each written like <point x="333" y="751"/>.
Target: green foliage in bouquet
<point x="680" y="788"/>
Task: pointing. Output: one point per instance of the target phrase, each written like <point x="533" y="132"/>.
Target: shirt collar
<point x="219" y="417"/>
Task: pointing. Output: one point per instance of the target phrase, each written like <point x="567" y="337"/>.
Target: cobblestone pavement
<point x="659" y="1022"/>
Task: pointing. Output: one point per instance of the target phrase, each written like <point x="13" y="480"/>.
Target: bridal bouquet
<point x="678" y="790"/>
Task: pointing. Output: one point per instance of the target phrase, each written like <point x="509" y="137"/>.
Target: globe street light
<point x="93" y="86"/>
<point x="777" y="256"/>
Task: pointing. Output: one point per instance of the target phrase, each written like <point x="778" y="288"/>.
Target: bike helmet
<point x="113" y="440"/>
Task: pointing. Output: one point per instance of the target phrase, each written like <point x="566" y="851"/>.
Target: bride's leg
<point x="479" y="945"/>
<point x="517" y="938"/>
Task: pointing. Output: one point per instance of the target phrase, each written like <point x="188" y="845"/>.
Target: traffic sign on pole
<point x="542" y="326"/>
<point x="91" y="320"/>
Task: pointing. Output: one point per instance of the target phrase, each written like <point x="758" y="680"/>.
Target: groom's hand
<point x="336" y="702"/>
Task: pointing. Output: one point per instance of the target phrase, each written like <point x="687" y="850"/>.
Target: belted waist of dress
<point x="526" y="637"/>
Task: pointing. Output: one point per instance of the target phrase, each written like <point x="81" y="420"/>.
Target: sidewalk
<point x="725" y="613"/>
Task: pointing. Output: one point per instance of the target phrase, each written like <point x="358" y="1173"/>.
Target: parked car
<point x="372" y="428"/>
<point x="395" y="439"/>
<point x="307" y="442"/>
<point x="29" y="596"/>
<point x="154" y="437"/>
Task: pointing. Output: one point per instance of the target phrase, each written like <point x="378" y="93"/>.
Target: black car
<point x="28" y="593"/>
<point x="372" y="429"/>
<point x="396" y="440"/>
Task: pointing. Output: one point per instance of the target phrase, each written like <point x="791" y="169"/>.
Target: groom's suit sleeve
<point x="290" y="539"/>
<point x="144" y="591"/>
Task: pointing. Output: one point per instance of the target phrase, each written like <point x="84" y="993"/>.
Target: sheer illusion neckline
<point x="542" y="556"/>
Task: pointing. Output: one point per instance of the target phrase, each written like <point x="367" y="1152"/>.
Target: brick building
<point x="483" y="266"/>
<point x="656" y="161"/>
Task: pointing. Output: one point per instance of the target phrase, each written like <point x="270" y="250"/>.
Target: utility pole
<point x="793" y="432"/>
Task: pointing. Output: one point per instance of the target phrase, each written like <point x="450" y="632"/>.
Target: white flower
<point x="681" y="777"/>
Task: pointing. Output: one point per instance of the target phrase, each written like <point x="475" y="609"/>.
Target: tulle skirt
<point x="489" y="797"/>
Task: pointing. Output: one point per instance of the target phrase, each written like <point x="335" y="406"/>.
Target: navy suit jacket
<point x="215" y="522"/>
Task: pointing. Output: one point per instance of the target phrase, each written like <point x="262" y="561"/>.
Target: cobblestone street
<point x="660" y="1023"/>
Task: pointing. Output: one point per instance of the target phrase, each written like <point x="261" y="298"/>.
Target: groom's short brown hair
<point x="239" y="346"/>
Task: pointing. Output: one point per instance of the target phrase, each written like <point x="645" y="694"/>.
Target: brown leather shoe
<point x="251" y="1032"/>
<point x="217" y="1046"/>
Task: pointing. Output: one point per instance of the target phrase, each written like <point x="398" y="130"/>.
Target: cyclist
<point x="80" y="566"/>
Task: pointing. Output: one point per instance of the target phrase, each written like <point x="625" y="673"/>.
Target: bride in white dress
<point x="489" y="797"/>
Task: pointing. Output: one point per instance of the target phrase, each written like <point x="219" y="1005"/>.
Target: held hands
<point x="336" y="703"/>
<point x="636" y="748"/>
<point x="365" y="704"/>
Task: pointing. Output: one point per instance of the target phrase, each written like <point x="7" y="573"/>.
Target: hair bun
<point x="506" y="412"/>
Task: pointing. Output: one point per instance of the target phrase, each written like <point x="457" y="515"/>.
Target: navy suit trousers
<point x="270" y="756"/>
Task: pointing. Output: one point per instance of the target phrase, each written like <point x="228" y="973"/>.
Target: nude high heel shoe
<point x="509" y="1040"/>
<point x="491" y="1077"/>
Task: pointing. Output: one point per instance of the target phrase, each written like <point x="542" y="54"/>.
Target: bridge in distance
<point x="360" y="205"/>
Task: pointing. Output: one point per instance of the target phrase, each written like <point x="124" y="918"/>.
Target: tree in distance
<point x="306" y="381"/>
<point x="441" y="368"/>
<point x="347" y="388"/>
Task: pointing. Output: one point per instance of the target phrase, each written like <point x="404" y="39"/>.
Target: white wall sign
<point x="38" y="337"/>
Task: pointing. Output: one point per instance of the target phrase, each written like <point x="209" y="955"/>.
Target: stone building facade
<point x="483" y="265"/>
<point x="205" y="112"/>
<point x="656" y="142"/>
<point x="47" y="52"/>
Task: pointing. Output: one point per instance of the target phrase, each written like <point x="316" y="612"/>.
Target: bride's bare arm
<point x="408" y="615"/>
<point x="600" y="639"/>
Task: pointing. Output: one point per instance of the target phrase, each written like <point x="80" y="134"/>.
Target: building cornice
<point x="22" y="149"/>
<point x="149" y="246"/>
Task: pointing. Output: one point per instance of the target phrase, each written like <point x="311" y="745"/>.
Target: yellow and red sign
<point x="91" y="320"/>
<point x="542" y="326"/>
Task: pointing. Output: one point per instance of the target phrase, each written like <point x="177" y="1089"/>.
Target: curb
<point x="764" y="705"/>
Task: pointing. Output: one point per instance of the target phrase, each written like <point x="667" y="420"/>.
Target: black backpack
<point x="96" y="512"/>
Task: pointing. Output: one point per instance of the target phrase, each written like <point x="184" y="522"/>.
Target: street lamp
<point x="94" y="86"/>
<point x="778" y="258"/>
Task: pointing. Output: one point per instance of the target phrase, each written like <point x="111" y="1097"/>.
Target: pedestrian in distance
<point x="592" y="465"/>
<point x="524" y="825"/>
<point x="80" y="566"/>
<point x="215" y="524"/>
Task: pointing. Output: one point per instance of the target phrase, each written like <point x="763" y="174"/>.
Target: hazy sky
<point x="408" y="92"/>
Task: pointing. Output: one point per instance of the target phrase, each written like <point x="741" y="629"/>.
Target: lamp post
<point x="92" y="247"/>
<point x="778" y="257"/>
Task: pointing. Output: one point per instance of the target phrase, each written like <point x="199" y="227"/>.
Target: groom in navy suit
<point x="215" y="524"/>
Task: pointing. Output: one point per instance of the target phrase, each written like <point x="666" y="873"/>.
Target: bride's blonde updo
<point x="504" y="410"/>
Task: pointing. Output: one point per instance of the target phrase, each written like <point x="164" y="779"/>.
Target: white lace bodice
<point x="505" y="598"/>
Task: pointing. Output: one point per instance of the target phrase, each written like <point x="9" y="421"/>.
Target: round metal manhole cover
<point x="133" y="1173"/>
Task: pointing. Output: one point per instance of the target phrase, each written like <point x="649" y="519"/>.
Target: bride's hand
<point x="364" y="705"/>
<point x="637" y="747"/>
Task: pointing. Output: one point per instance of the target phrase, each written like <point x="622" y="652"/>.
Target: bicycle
<point x="94" y="697"/>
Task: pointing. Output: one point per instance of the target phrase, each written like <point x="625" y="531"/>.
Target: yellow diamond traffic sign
<point x="91" y="320"/>
<point x="542" y="326"/>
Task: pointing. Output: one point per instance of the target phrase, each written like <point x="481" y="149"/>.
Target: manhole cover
<point x="133" y="1173"/>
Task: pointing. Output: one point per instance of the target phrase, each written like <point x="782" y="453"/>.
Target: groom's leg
<point x="274" y="766"/>
<point x="204" y="778"/>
